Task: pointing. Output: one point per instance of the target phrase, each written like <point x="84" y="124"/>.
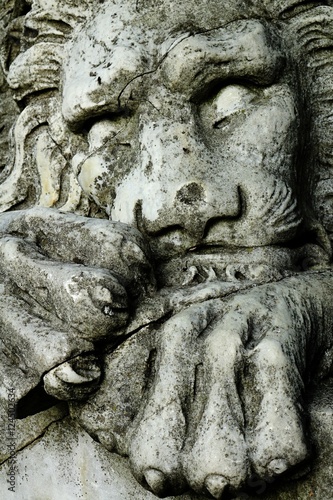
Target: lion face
<point x="205" y="128"/>
<point x="192" y="135"/>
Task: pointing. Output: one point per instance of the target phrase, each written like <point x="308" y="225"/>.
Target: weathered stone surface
<point x="66" y="463"/>
<point x="8" y="107"/>
<point x="74" y="466"/>
<point x="188" y="328"/>
<point x="27" y="429"/>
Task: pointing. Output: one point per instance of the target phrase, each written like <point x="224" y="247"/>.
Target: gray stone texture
<point x="166" y="281"/>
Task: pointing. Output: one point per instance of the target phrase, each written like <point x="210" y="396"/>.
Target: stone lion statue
<point x="166" y="228"/>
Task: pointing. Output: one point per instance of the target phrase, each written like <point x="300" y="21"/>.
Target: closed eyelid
<point x="241" y="50"/>
<point x="232" y="99"/>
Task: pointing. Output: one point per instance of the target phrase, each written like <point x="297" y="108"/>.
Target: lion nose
<point x="197" y="204"/>
<point x="190" y="194"/>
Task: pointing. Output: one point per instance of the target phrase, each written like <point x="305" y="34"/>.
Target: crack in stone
<point x="38" y="438"/>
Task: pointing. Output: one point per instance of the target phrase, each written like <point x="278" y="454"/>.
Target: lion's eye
<point x="231" y="100"/>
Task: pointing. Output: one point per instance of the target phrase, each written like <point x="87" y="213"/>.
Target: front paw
<point x="210" y="397"/>
<point x="67" y="282"/>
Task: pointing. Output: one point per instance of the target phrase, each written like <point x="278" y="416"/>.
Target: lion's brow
<point x="242" y="49"/>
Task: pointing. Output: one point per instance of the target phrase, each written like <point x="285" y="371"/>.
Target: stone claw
<point x="216" y="485"/>
<point x="156" y="480"/>
<point x="74" y="379"/>
<point x="277" y="466"/>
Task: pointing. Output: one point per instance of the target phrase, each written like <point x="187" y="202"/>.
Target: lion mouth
<point x="208" y="263"/>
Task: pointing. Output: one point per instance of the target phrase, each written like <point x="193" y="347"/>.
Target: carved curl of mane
<point x="44" y="146"/>
<point x="41" y="142"/>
